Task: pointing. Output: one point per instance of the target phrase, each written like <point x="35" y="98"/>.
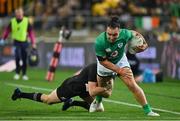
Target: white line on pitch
<point x="107" y="100"/>
<point x="28" y="87"/>
<point x="134" y="105"/>
<point x="56" y="117"/>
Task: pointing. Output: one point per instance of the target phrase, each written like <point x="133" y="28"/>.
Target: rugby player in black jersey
<point x="83" y="84"/>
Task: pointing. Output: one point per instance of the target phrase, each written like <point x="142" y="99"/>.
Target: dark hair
<point x="114" y="22"/>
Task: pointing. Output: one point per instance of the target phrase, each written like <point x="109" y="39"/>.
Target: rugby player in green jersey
<point x="111" y="59"/>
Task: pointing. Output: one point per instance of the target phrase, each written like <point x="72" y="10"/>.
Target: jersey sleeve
<point x="99" y="49"/>
<point x="92" y="73"/>
<point x="129" y="35"/>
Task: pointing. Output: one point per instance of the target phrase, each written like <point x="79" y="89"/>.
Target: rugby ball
<point x="136" y="41"/>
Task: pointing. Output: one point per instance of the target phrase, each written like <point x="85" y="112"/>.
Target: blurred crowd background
<point x="157" y="20"/>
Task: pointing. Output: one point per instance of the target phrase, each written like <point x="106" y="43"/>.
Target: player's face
<point x="19" y="13"/>
<point x="112" y="33"/>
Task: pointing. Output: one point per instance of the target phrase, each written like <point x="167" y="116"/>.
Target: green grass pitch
<point x="163" y="97"/>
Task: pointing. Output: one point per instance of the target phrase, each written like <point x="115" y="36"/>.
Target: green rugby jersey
<point x="112" y="51"/>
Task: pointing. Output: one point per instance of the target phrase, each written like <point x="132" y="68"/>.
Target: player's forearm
<point x="97" y="91"/>
<point x="110" y="65"/>
<point x="32" y="36"/>
<point x="6" y="33"/>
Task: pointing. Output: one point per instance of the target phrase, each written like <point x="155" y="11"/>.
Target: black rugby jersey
<point x="88" y="73"/>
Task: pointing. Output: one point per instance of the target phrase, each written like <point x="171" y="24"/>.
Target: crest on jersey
<point x="108" y="50"/>
<point x="120" y="45"/>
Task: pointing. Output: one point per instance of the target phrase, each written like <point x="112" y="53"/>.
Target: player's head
<point x="112" y="29"/>
<point x="19" y="13"/>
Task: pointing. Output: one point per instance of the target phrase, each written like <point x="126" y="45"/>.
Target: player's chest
<point x="118" y="46"/>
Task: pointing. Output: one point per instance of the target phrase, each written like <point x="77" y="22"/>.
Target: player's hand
<point x="121" y="71"/>
<point x="141" y="48"/>
<point x="125" y="73"/>
<point x="109" y="85"/>
<point x="2" y="42"/>
<point x="34" y="46"/>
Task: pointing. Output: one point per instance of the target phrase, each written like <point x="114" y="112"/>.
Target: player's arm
<point x="6" y="32"/>
<point x="108" y="64"/>
<point x="111" y="66"/>
<point x="143" y="47"/>
<point x="95" y="90"/>
<point x="101" y="56"/>
<point x="31" y="35"/>
<point x="104" y="61"/>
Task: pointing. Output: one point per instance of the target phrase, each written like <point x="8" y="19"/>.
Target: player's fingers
<point x="139" y="48"/>
<point x="127" y="73"/>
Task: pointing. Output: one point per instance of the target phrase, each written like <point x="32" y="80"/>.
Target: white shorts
<point x="103" y="71"/>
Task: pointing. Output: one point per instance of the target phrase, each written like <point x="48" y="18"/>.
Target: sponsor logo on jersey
<point x="108" y="50"/>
